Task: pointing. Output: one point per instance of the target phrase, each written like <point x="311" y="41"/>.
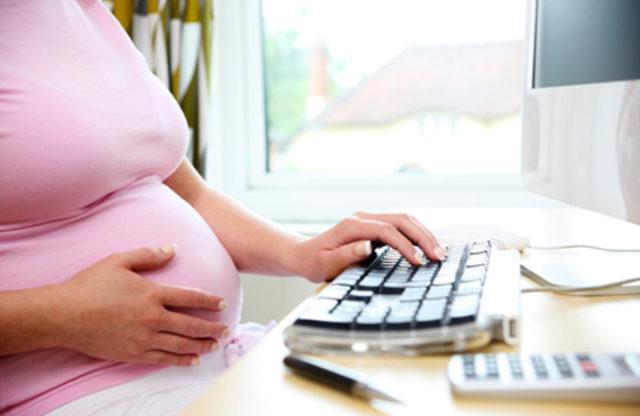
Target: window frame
<point x="237" y="156"/>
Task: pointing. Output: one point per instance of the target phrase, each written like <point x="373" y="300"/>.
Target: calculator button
<point x="491" y="363"/>
<point x="562" y="364"/>
<point x="515" y="367"/>
<point x="469" y="366"/>
<point x="587" y="365"/>
<point x="539" y="367"/>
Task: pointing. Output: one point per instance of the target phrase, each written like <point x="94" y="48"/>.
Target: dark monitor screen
<point x="586" y="41"/>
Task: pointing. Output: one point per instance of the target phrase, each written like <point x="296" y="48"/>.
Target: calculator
<point x="570" y="376"/>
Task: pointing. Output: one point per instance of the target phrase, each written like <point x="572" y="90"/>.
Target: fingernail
<point x="420" y="258"/>
<point x="213" y="347"/>
<point x="223" y="305"/>
<point x="225" y="333"/>
<point x="442" y="254"/>
<point x="195" y="361"/>
<point x="169" y="248"/>
<point x="364" y="249"/>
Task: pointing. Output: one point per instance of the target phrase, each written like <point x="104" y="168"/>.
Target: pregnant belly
<point x="146" y="213"/>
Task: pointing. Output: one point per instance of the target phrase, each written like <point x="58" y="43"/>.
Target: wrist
<point x="29" y="319"/>
<point x="294" y="258"/>
<point x="55" y="303"/>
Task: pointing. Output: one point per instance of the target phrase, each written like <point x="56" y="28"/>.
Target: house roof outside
<point x="481" y="80"/>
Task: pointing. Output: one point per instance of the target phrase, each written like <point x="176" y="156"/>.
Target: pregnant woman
<point x="118" y="263"/>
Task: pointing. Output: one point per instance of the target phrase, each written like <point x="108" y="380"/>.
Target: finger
<point x="192" y="327"/>
<point x="354" y="229"/>
<point x="184" y="297"/>
<point x="167" y="358"/>
<point x="407" y="224"/>
<point x="178" y="344"/>
<point x="146" y="258"/>
<point x="414" y="230"/>
<point x="341" y="257"/>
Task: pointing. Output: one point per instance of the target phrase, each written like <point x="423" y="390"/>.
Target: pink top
<point x="87" y="135"/>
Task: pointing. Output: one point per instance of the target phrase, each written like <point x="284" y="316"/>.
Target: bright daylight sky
<point x="367" y="34"/>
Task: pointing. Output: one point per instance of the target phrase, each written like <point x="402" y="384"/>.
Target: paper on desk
<point x="583" y="267"/>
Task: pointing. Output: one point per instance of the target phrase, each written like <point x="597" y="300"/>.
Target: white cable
<point x="584" y="290"/>
<point x="569" y="290"/>
<point x="587" y="246"/>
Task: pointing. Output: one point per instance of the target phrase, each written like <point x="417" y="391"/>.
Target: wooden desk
<point x="260" y="384"/>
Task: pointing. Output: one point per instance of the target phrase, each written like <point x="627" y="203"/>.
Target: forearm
<point x="29" y="320"/>
<point x="258" y="245"/>
<point x="255" y="243"/>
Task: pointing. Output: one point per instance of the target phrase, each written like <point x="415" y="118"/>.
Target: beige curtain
<point x="176" y="37"/>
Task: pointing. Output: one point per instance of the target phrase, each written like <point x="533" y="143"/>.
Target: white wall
<point x="272" y="298"/>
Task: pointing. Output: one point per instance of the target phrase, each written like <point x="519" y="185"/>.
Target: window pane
<point x="381" y="87"/>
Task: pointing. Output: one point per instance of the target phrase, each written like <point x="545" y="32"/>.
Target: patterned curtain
<point x="175" y="37"/>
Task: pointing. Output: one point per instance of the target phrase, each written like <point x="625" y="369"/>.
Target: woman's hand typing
<point x="325" y="256"/>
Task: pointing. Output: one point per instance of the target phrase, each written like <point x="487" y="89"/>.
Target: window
<point x="393" y="86"/>
<point x="326" y="107"/>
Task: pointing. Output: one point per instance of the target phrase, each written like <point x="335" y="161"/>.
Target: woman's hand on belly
<point x="111" y="312"/>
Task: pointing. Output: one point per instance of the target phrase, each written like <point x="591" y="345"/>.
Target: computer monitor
<point x="581" y="110"/>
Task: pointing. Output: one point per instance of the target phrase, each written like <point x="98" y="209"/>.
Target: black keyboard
<point x="391" y="294"/>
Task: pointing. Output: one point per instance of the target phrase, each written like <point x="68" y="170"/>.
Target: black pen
<point x="334" y="376"/>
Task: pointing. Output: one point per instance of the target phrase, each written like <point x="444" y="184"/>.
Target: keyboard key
<point x="369" y="283"/>
<point x="456" y="249"/>
<point x="325" y="320"/>
<point x="375" y="309"/>
<point x="431" y="313"/>
<point x="479" y="248"/>
<point x="347" y="280"/>
<point x="399" y="287"/>
<point x="370" y="322"/>
<point x="423" y="274"/>
<point x="398" y="279"/>
<point x="476" y="260"/>
<point x="393" y="288"/>
<point x="401" y="276"/>
<point x="413" y="294"/>
<point x="350" y="305"/>
<point x="463" y="309"/>
<point x="466" y="288"/>
<point x="363" y="295"/>
<point x="401" y="315"/>
<point x="398" y="322"/>
<point x="334" y="291"/>
<point x="444" y="278"/>
<point x="439" y="292"/>
<point x="449" y="268"/>
<point x="473" y="273"/>
<point x="387" y="263"/>
<point x="377" y="274"/>
<point x="322" y="305"/>
<point x="405" y="308"/>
